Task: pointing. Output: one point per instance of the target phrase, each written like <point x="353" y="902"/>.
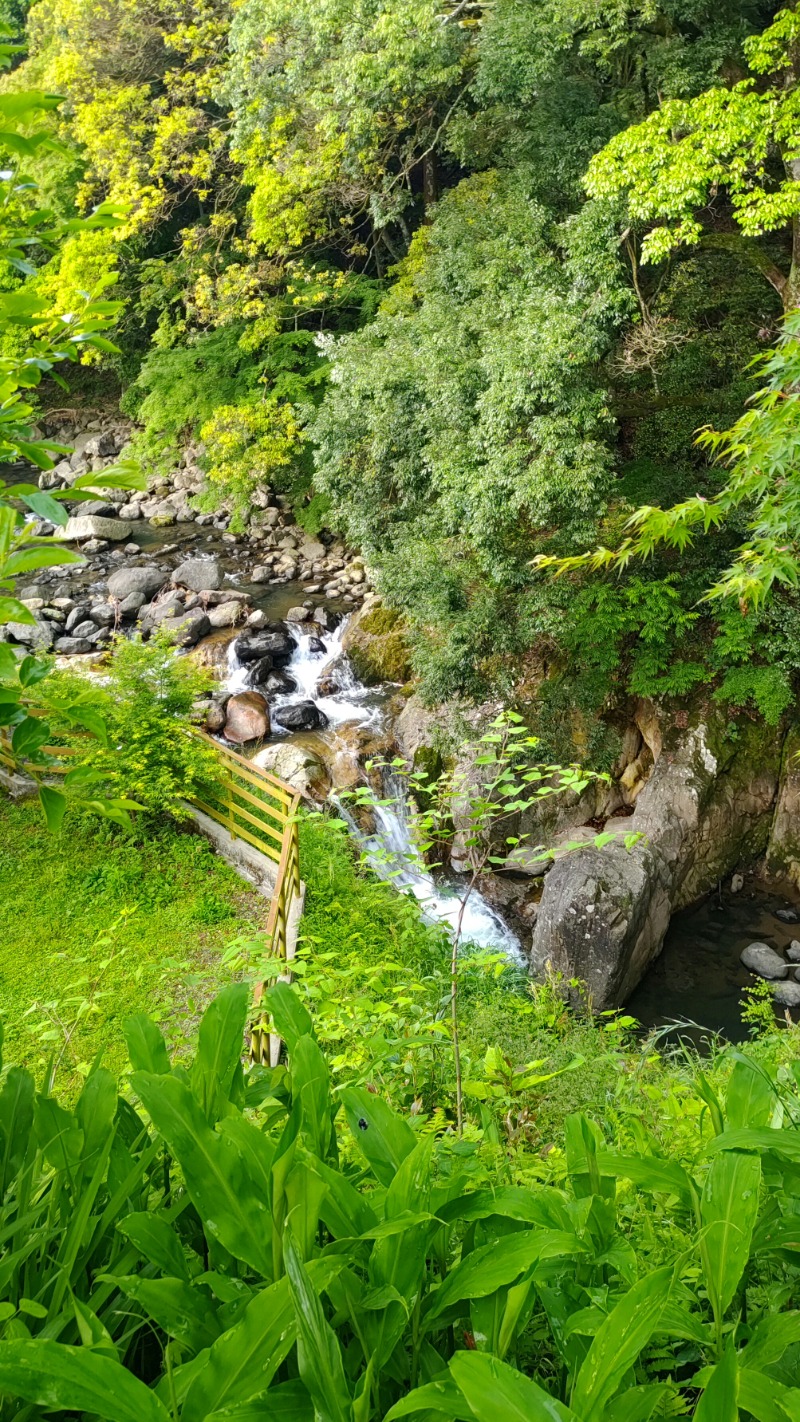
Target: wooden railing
<point x="253" y="806"/>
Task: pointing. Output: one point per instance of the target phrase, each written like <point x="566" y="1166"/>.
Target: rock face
<point x="246" y="718"/>
<point x="706" y="807"/>
<point x="198" y="574"/>
<point x="298" y="766"/>
<point x="375" y="642"/>
<point x="299" y="716"/>
<point x="93" y="526"/>
<point x="764" y="961"/>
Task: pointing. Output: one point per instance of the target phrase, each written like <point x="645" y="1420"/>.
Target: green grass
<point x="95" y="925"/>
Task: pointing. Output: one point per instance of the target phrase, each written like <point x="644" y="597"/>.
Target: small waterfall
<point x="391" y="852"/>
<point x="390" y="849"/>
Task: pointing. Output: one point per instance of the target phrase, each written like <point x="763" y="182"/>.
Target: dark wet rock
<point x="764" y="961"/>
<point x="251" y="646"/>
<point x="100" y="507"/>
<point x="198" y="574"/>
<point x="260" y="670"/>
<point x="246" y="718"/>
<point x="126" y="581"/>
<point x="131" y="604"/>
<point x="787" y="915"/>
<point x="300" y="716"/>
<point x="279" y="683"/>
<point x="316" y="647"/>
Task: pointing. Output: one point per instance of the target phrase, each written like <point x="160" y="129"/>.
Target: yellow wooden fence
<point x="251" y="805"/>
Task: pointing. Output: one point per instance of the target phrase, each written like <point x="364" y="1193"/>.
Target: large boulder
<point x="127" y="581"/>
<point x="299" y="716"/>
<point x="275" y="643"/>
<point x="246" y="718"/>
<point x="375" y="640"/>
<point x="225" y="614"/>
<point x="186" y="629"/>
<point x="198" y="574"/>
<point x="759" y="958"/>
<point x="705" y="808"/>
<point x="36" y="635"/>
<point x="298" y="766"/>
<point x="116" y="530"/>
<point x="786" y="994"/>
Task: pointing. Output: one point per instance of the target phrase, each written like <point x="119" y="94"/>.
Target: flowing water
<point x="389" y="848"/>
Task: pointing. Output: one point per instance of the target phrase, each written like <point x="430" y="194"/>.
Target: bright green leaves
<point x="76" y="1380"/>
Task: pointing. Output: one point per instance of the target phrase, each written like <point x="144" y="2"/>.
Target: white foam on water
<point x="390" y="849"/>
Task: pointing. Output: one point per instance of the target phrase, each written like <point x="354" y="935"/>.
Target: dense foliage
<point x="464" y="281"/>
<point x="220" y="1242"/>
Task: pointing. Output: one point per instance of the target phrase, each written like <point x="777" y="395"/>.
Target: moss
<point x="380" y="621"/>
<point x="377" y="647"/>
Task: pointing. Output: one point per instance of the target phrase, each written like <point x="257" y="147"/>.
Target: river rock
<point x="786" y="994"/>
<point x="257" y="619"/>
<point x="187" y="629"/>
<point x="38" y="635"/>
<point x="103" y="614"/>
<point x="92" y="526"/>
<point x="86" y="628"/>
<point x="78" y="614"/>
<point x="793" y="951"/>
<point x="226" y="614"/>
<point x="787" y="915"/>
<point x="316" y="647"/>
<point x="297" y="614"/>
<point x="125" y="581"/>
<point x="299" y="716"/>
<point x="764" y="961"/>
<point x="251" y="646"/>
<point x="215" y="715"/>
<point x="157" y="612"/>
<point x="198" y="574"/>
<point x="277" y="683"/>
<point x="246" y="718"/>
<point x="72" y="646"/>
<point x="298" y="766"/>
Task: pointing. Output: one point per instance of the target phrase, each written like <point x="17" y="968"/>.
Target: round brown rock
<point x="246" y="718"/>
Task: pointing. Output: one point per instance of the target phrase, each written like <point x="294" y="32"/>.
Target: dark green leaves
<point x="64" y="1379"/>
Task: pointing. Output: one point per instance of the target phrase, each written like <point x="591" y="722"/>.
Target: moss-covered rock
<point x="376" y="643"/>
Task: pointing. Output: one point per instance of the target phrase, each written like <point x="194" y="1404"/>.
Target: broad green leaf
<point x="228" y="1201"/>
<point x="785" y="1143"/>
<point x="382" y="1136"/>
<point x="285" y="1402"/>
<point x="496" y="1392"/>
<point x="95" y="1112"/>
<point x="766" y="1399"/>
<point x="501" y="1262"/>
<point x="289" y="1016"/>
<point x="750" y="1097"/>
<point x="146" y="1046"/>
<point x="220" y="1043"/>
<point x="618" y="1342"/>
<point x="65" y="1379"/>
<point x="157" y="1241"/>
<point x="310" y="1082"/>
<point x="441" y="1396"/>
<point x="16" y="1123"/>
<point x="32" y="670"/>
<point x="649" y="1172"/>
<point x="638" y="1404"/>
<point x="182" y="1310"/>
<point x="43" y="503"/>
<point x="319" y="1356"/>
<point x="719" y="1400"/>
<point x="244" y="1360"/>
<point x="12" y="610"/>
<point x="770" y="1339"/>
<point x="54" y="805"/>
<point x="58" y="1134"/>
<point x="546" y="1206"/>
<point x="29" y="737"/>
<point x="728" y="1210"/>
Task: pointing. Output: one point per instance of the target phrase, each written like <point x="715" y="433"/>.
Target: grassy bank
<point x="95" y="925"/>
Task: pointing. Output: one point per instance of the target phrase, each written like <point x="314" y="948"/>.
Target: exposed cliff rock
<point x="706" y="808"/>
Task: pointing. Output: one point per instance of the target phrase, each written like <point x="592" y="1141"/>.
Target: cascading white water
<point x="392" y="854"/>
<point x="390" y="850"/>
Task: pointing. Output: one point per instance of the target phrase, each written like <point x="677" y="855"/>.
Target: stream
<point x="389" y="849"/>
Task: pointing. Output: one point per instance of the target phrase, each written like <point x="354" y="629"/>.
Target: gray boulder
<point x="188" y="629"/>
<point x="38" y="636"/>
<point x="92" y="526"/>
<point x="126" y="581"/>
<point x="764" y="961"/>
<point x="786" y="994"/>
<point x="198" y="574"/>
<point x="73" y="646"/>
<point x="102" y="614"/>
<point x="226" y="614"/>
<point x="78" y="614"/>
<point x="793" y="951"/>
<point x="86" y="628"/>
<point x="252" y="646"/>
